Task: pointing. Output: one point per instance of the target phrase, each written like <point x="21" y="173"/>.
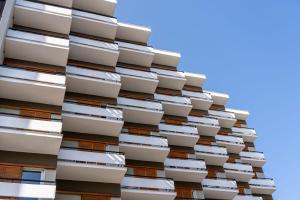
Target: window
<point x="31" y="176"/>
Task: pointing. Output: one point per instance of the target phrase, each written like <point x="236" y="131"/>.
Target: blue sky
<point x="249" y="49"/>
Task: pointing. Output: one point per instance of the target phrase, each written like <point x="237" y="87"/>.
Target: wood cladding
<point x="136" y="95"/>
<point x="240" y="123"/>
<point x="224" y="131"/>
<point x="90" y="99"/>
<point x="91" y="37"/>
<point x="90" y="138"/>
<point x="10" y="171"/>
<point x="138" y="163"/>
<point x="91" y="66"/>
<point x="95" y="197"/>
<point x="206" y="140"/>
<point x="158" y="66"/>
<point x="217" y="107"/>
<point x="213" y="170"/>
<point x="192" y="88"/>
<point x="39" y="31"/>
<point x="176" y="120"/>
<point x="242" y="186"/>
<point x="180" y="151"/>
<point x="198" y="113"/>
<point x="166" y="91"/>
<point x="248" y="146"/>
<point x="184" y="193"/>
<point x="141" y="129"/>
<point x="232" y="157"/>
<point x="134" y="67"/>
<point x="144" y="171"/>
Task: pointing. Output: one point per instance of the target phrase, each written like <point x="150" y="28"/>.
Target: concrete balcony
<point x="41" y="16"/>
<point x="179" y="135"/>
<point x="102" y="7"/>
<point x="247" y="197"/>
<point x="138" y="81"/>
<point x="170" y="79"/>
<point x="238" y="171"/>
<point x="168" y="58"/>
<point x="93" y="82"/>
<point x="92" y="120"/>
<point x="213" y="155"/>
<point x="147" y="188"/>
<point x="24" y="85"/>
<point x="90" y="165"/>
<point x="195" y="80"/>
<point x="205" y="125"/>
<point x="131" y="32"/>
<point x="239" y="114"/>
<point x="36" y="48"/>
<point x="262" y="186"/>
<point x="93" y="51"/>
<point x="144" y="147"/>
<point x="29" y="135"/>
<point x="248" y="134"/>
<point x="219" y="188"/>
<point x="256" y="159"/>
<point x="200" y="100"/>
<point x="141" y="111"/>
<point x="63" y="3"/>
<point x="234" y="144"/>
<point x="226" y="119"/>
<point x="218" y="98"/>
<point x="135" y="54"/>
<point x="175" y="105"/>
<point x="94" y="24"/>
<point x="188" y="170"/>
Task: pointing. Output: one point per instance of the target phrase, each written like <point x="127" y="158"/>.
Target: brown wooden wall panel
<point x="240" y="123"/>
<point x="233" y="157"/>
<point x="134" y="67"/>
<point x="176" y="120"/>
<point x="39" y="31"/>
<point x="95" y="197"/>
<point x="184" y="192"/>
<point x="192" y="88"/>
<point x="217" y="107"/>
<point x="144" y="171"/>
<point x="91" y="37"/>
<point x="90" y="138"/>
<point x="90" y="99"/>
<point x="213" y="170"/>
<point x="206" y="140"/>
<point x="136" y="95"/>
<point x="166" y="91"/>
<point x="198" y="113"/>
<point x="224" y="131"/>
<point x="242" y="186"/>
<point x="154" y="65"/>
<point x="92" y="66"/>
<point x="142" y="129"/>
<point x="138" y="163"/>
<point x="10" y="171"/>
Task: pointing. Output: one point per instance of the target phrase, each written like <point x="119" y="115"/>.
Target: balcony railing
<point x="190" y="164"/>
<point x="234" y="144"/>
<point x="211" y="149"/>
<point x="252" y="155"/>
<point x="219" y="184"/>
<point x="262" y="182"/>
<point x="222" y="114"/>
<point x="144" y="140"/>
<point x="136" y="73"/>
<point x="174" y="74"/>
<point x="188" y="130"/>
<point x="248" y="134"/>
<point x="204" y="121"/>
<point x="173" y="99"/>
<point x="144" y="104"/>
<point x="199" y="95"/>
<point x="247" y="168"/>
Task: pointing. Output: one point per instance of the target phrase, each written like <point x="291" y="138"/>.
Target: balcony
<point x="36" y="48"/>
<point x="169" y="79"/>
<point x="205" y="125"/>
<point x="238" y="171"/>
<point x="144" y="147"/>
<point x="93" y="51"/>
<point x="27" y="189"/>
<point x="233" y="144"/>
<point x="93" y="24"/>
<point x="248" y="134"/>
<point x="262" y="186"/>
<point x="92" y="120"/>
<point x="179" y="135"/>
<point x="147" y="188"/>
<point x="195" y="80"/>
<point x="247" y="197"/>
<point x="141" y="111"/>
<point x="188" y="170"/>
<point x="63" y="3"/>
<point x="218" y="98"/>
<point x="256" y="159"/>
<point x="175" y="105"/>
<point x="102" y="7"/>
<point x="199" y="100"/>
<point x="90" y="165"/>
<point x="29" y="135"/>
<point x="239" y="114"/>
<point x="226" y="119"/>
<point x="135" y="54"/>
<point x="24" y="85"/>
<point x="213" y="155"/>
<point x="130" y="32"/>
<point x="93" y="82"/>
<point x="42" y="16"/>
<point x="219" y="188"/>
<point x="138" y="81"/>
<point x="168" y="58"/>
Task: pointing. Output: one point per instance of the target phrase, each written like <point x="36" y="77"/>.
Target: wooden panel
<point x="7" y="171"/>
<point x="174" y="119"/>
<point x="224" y="131"/>
<point x="233" y="157"/>
<point x="165" y="91"/>
<point x="164" y="67"/>
<point x="186" y="193"/>
<point x="35" y="114"/>
<point x="95" y="197"/>
<point x="206" y="140"/>
<point x="91" y="66"/>
<point x="198" y="113"/>
<point x="192" y="88"/>
<point x="217" y="107"/>
<point x="136" y="95"/>
<point x="39" y="31"/>
<point x="177" y="154"/>
<point x="140" y="128"/>
<point x="139" y="131"/>
<point x="134" y="67"/>
<point x="90" y="99"/>
<point x="92" y="145"/>
<point x="144" y="171"/>
<point x="91" y="37"/>
<point x="240" y="124"/>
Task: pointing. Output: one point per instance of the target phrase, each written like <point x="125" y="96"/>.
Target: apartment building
<point x="90" y="111"/>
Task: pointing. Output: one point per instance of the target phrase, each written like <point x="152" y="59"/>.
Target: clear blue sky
<point x="247" y="48"/>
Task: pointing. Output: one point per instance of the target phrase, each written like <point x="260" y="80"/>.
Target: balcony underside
<point x="138" y="84"/>
<point x="141" y="194"/>
<point x="171" y="82"/>
<point x="176" y="109"/>
<point x="219" y="193"/>
<point x="201" y="104"/>
<point x="253" y="162"/>
<point x="187" y="175"/>
<point x="180" y="139"/>
<point x="239" y="175"/>
<point x="212" y="159"/>
<point x="207" y="130"/>
<point x="231" y="147"/>
<point x="226" y="122"/>
<point x="141" y="115"/>
<point x="103" y="7"/>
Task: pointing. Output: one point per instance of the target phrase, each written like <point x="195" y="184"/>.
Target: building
<point x="90" y="111"/>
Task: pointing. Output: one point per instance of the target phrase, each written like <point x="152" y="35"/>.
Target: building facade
<point x="90" y="111"/>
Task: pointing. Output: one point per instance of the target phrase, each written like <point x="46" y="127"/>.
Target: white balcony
<point x="144" y="147"/>
<point x="41" y="16"/>
<point x="93" y="24"/>
<point x="188" y="170"/>
<point x="218" y="98"/>
<point x="213" y="155"/>
<point x="239" y="114"/>
<point x="200" y="100"/>
<point x="135" y="54"/>
<point x="205" y="125"/>
<point x="238" y="171"/>
<point x="27" y="190"/>
<point x="195" y="80"/>
<point x="141" y="111"/>
<point x="168" y="58"/>
<point x="234" y="144"/>
<point x="93" y="166"/>
<point x="138" y="81"/>
<point x="219" y="188"/>
<point x="135" y="33"/>
<point x="63" y="3"/>
<point x="92" y="120"/>
<point x="147" y="188"/>
<point x="102" y="7"/>
<point x="262" y="186"/>
<point x="36" y="48"/>
<point x="256" y="159"/>
<point x="24" y="85"/>
<point x="175" y="105"/>
<point x="93" y="82"/>
<point x="247" y="197"/>
<point x="226" y="119"/>
<point x="248" y="134"/>
<point x="29" y="135"/>
<point x="93" y="51"/>
<point x="169" y="79"/>
<point x="179" y="135"/>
